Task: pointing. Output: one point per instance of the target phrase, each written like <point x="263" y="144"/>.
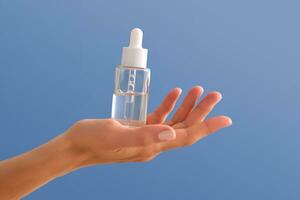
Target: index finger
<point x="162" y="111"/>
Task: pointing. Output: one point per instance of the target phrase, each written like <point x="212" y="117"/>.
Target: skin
<point x="102" y="141"/>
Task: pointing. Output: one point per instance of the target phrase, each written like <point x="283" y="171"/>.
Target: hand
<point x="108" y="141"/>
<point x="99" y="141"/>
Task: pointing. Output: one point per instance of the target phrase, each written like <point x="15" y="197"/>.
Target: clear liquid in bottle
<point x="130" y="108"/>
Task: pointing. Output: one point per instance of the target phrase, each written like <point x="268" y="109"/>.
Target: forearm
<point x="23" y="174"/>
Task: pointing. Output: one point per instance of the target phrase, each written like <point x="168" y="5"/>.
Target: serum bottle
<point x="132" y="81"/>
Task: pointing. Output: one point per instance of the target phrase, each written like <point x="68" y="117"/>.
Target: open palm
<point x="109" y="141"/>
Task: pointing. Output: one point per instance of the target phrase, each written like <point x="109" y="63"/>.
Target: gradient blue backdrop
<point x="57" y="61"/>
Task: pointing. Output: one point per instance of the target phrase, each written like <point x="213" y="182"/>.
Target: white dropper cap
<point x="135" y="55"/>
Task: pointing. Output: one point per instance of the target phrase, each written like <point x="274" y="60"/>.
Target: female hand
<point x="108" y="141"/>
<point x="99" y="141"/>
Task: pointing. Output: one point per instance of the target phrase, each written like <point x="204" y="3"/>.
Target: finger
<point x="200" y="130"/>
<point x="187" y="105"/>
<point x="188" y="136"/>
<point x="161" y="113"/>
<point x="150" y="135"/>
<point x="201" y="111"/>
<point x="179" y="141"/>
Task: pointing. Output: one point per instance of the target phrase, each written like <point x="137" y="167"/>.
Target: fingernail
<point x="177" y="88"/>
<point x="180" y="90"/>
<point x="167" y="135"/>
<point x="200" y="87"/>
<point x="219" y="95"/>
<point x="229" y="122"/>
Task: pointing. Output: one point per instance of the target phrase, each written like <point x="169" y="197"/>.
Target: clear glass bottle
<point x="132" y="81"/>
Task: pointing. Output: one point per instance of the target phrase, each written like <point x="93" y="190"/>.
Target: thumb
<point x="149" y="134"/>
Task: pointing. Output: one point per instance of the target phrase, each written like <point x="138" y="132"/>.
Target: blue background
<point x="57" y="61"/>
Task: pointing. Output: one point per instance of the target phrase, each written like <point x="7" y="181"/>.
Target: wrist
<point x="71" y="155"/>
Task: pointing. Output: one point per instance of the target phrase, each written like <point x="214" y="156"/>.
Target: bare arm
<point x="101" y="141"/>
<point x="23" y="174"/>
